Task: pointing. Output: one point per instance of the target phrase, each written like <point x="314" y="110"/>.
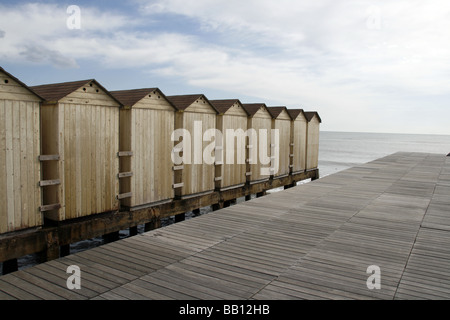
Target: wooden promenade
<point x="312" y="241"/>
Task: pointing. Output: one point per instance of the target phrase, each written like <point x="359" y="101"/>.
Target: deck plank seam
<point x="415" y="239"/>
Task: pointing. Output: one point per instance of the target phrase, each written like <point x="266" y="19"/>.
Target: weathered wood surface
<point x="20" y="172"/>
<point x="312" y="241"/>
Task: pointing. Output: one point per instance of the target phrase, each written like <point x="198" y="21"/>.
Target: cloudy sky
<point x="365" y="66"/>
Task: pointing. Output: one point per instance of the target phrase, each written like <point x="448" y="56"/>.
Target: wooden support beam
<point x="125" y="175"/>
<point x="124" y="195"/>
<point x="45" y="183"/>
<point x="49" y="207"/>
<point x="125" y="153"/>
<point x="52" y="157"/>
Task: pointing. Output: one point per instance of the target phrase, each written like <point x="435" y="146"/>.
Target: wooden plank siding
<point x="145" y="129"/>
<point x="312" y="142"/>
<point x="20" y="173"/>
<point x="197" y="176"/>
<point x="231" y="155"/>
<point x="298" y="140"/>
<point x="260" y="121"/>
<point x="281" y="146"/>
<point x="82" y="127"/>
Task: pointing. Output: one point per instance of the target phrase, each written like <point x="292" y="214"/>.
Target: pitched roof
<point x="310" y="114"/>
<point x="253" y="108"/>
<point x="56" y="91"/>
<point x="294" y="113"/>
<point x="130" y="97"/>
<point x="224" y="105"/>
<point x="182" y="102"/>
<point x="275" y="111"/>
<point x="21" y="83"/>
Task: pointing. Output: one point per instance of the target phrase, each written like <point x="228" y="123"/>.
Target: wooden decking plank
<point x="281" y="292"/>
<point x="16" y="292"/>
<point x="182" y="285"/>
<point x="145" y="251"/>
<point x="110" y="265"/>
<point x="5" y="296"/>
<point x="133" y="288"/>
<point x="92" y="279"/>
<point x="162" y="287"/>
<point x="148" y="262"/>
<point x="231" y="268"/>
<point x="222" y="273"/>
<point x="91" y="286"/>
<point x="21" y="280"/>
<point x="245" y="260"/>
<point x="162" y="248"/>
<point x="57" y="283"/>
<point x="253" y="267"/>
<point x="217" y="286"/>
<point x="110" y="295"/>
<point x="108" y="275"/>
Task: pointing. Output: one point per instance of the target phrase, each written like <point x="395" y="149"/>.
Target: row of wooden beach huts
<point x="75" y="149"/>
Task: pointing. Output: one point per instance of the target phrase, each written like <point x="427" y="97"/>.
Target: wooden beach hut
<point x="299" y="127"/>
<point x="80" y="144"/>
<point x="259" y="122"/>
<point x="281" y="146"/>
<point x="20" y="173"/>
<point x="312" y="140"/>
<point x="146" y="169"/>
<point x="231" y="152"/>
<point x="195" y="174"/>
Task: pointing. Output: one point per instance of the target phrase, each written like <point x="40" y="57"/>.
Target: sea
<point x="337" y="151"/>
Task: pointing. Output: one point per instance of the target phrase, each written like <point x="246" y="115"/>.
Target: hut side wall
<point x="312" y="153"/>
<point x="148" y="130"/>
<point x="299" y="128"/>
<point x="83" y="129"/>
<point x="20" y="194"/>
<point x="90" y="164"/>
<point x="233" y="173"/>
<point x="283" y="125"/>
<point x="197" y="178"/>
<point x="261" y="120"/>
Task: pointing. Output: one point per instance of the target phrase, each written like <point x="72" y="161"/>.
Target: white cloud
<point x="360" y="58"/>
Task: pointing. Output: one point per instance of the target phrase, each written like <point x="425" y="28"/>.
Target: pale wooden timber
<point x="298" y="139"/>
<point x="146" y="125"/>
<point x="259" y="127"/>
<point x="312" y="141"/>
<point x="231" y="150"/>
<point x="20" y="172"/>
<point x="80" y="132"/>
<point x="280" y="141"/>
<point x="196" y="116"/>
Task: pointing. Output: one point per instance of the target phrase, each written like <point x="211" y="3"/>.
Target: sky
<point x="365" y="66"/>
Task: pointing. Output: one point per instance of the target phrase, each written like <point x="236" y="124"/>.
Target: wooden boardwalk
<point x="313" y="241"/>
